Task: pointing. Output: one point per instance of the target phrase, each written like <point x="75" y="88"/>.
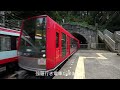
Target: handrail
<point x="110" y="42"/>
<point x="110" y="34"/>
<point x="117" y="36"/>
<point x="101" y="35"/>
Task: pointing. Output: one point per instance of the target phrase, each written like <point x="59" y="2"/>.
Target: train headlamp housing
<point x="44" y="55"/>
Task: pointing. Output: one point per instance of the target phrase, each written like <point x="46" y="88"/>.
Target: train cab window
<point x="34" y="38"/>
<point x="63" y="45"/>
<point x="57" y="39"/>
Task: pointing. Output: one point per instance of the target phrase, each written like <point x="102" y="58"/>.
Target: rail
<point x="96" y="46"/>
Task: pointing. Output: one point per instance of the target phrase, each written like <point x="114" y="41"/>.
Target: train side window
<point x="5" y="43"/>
<point x="71" y="43"/>
<point x="57" y="39"/>
<point x="13" y="43"/>
<point x="63" y="45"/>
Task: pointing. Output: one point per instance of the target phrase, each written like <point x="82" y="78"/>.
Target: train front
<point x="32" y="49"/>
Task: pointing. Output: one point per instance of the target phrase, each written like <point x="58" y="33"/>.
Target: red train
<point x="44" y="44"/>
<point x="8" y="49"/>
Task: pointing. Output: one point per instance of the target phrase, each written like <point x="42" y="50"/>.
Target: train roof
<point x="7" y="31"/>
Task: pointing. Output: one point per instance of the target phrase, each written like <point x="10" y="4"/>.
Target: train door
<point x="57" y="46"/>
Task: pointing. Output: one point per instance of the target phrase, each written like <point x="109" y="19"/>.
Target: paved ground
<point x="91" y="64"/>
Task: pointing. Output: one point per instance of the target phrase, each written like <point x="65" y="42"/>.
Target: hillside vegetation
<point x="93" y="19"/>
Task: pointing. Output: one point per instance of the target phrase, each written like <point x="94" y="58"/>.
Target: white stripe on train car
<point x="8" y="54"/>
<point x="9" y="33"/>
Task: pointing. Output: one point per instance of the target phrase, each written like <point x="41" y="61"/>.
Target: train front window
<point x="33" y="42"/>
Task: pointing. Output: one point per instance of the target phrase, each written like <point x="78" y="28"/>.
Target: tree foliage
<point x="105" y="19"/>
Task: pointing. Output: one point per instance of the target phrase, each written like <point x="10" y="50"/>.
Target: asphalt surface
<point x="91" y="64"/>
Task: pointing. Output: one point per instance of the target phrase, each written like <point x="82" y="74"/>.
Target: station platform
<point x="91" y="64"/>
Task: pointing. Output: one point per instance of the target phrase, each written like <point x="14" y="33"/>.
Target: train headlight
<point x="24" y="54"/>
<point x="19" y="53"/>
<point x="44" y="55"/>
